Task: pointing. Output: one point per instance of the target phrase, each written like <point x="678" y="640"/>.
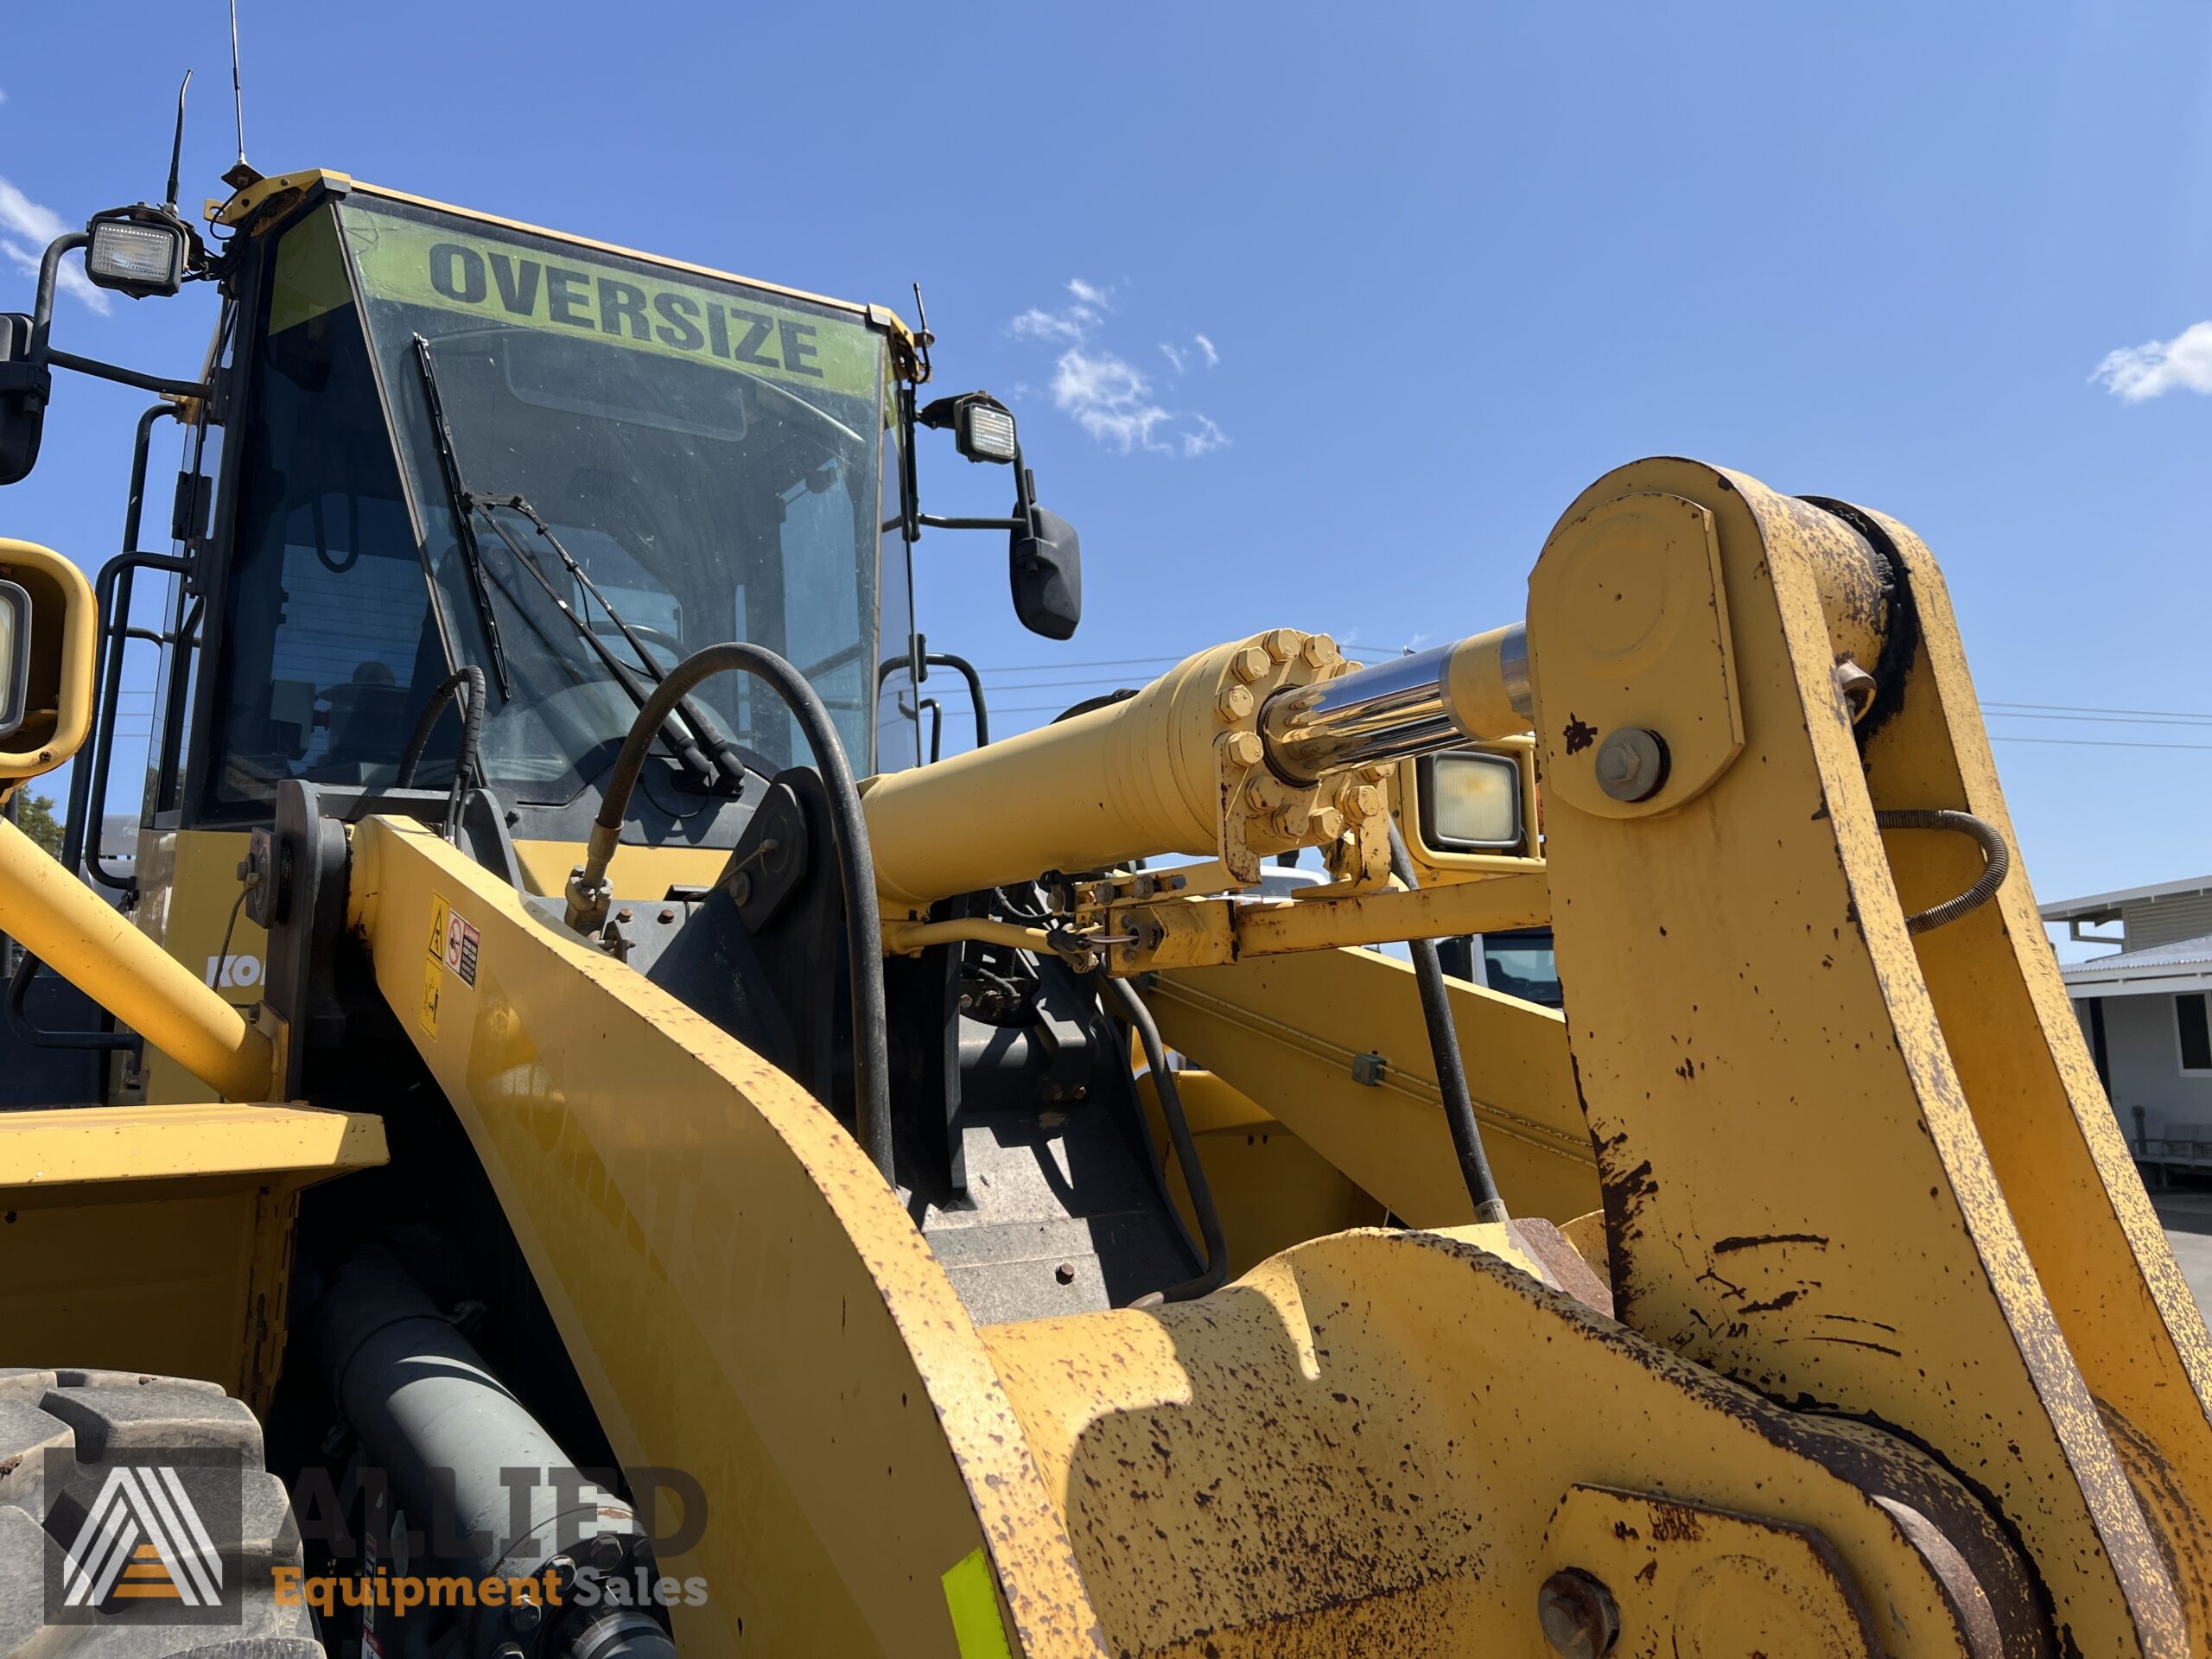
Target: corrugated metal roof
<point x="2181" y="965"/>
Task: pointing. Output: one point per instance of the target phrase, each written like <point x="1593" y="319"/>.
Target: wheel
<point x="77" y="1442"/>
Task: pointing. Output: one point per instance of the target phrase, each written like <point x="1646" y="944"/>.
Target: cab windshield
<point x="635" y="462"/>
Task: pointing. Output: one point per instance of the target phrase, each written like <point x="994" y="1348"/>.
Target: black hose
<point x="472" y="727"/>
<point x="1186" y="1151"/>
<point x="1451" y="1067"/>
<point x="1996" y="856"/>
<point x="855" y="863"/>
<point x="19" y="1019"/>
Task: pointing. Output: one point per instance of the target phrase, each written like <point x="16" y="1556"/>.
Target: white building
<point x="2145" y="1011"/>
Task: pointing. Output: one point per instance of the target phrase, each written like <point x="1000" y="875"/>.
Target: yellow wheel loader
<point x="565" y="1138"/>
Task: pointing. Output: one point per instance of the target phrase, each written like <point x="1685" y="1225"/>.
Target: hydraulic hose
<point x="1451" y="1066"/>
<point x="472" y="727"/>
<point x="1186" y="1151"/>
<point x="855" y="863"/>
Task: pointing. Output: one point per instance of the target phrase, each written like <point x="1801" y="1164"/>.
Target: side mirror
<point x="1045" y="566"/>
<point x="49" y="624"/>
<point x="24" y="388"/>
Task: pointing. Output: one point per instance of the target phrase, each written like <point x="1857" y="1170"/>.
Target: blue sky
<point x="1319" y="317"/>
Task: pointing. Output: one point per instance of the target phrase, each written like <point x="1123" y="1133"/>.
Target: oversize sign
<point x="575" y="291"/>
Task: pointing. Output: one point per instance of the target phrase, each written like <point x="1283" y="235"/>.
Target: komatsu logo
<point x="142" y="1541"/>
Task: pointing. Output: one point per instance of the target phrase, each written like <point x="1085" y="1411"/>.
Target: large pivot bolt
<point x="1578" y="1614"/>
<point x="1631" y="764"/>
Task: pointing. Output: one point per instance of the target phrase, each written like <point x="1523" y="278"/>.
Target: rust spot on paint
<point x="1580" y="734"/>
<point x="1747" y="1240"/>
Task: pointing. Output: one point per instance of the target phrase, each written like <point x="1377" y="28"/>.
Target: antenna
<point x="240" y="174"/>
<point x="176" y="147"/>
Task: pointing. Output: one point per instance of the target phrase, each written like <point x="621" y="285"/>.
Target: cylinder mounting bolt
<point x="1245" y="749"/>
<point x="1282" y="643"/>
<point x="1249" y="663"/>
<point x="1324" y="823"/>
<point x="1320" y="652"/>
<point x="1579" y="1619"/>
<point x="1631" y="764"/>
<point x="1359" y="801"/>
<point x="1235" y="703"/>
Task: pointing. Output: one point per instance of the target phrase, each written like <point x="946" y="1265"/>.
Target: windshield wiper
<point x="691" y="746"/>
<point x="724" y="753"/>
<point x="464" y="524"/>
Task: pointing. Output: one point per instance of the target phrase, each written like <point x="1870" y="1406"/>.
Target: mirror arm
<point x="49" y="274"/>
<point x="936" y="523"/>
<point x="197" y="390"/>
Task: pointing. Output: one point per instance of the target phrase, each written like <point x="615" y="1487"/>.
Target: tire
<point x="92" y="1421"/>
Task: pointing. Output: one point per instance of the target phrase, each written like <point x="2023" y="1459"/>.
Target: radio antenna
<point x="176" y="146"/>
<point x="240" y="175"/>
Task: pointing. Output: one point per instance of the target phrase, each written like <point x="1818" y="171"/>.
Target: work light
<point x="1469" y="801"/>
<point x="142" y="257"/>
<point x="15" y="655"/>
<point x="985" y="432"/>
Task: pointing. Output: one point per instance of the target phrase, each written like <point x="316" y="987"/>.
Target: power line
<point x="2095" y="742"/>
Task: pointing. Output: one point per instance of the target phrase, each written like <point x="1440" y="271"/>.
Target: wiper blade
<point x="684" y="743"/>
<point x="464" y="524"/>
<point x="724" y="753"/>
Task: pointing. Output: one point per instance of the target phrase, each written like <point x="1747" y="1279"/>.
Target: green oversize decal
<point x="568" y="290"/>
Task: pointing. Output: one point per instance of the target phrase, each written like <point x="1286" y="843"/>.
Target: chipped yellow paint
<point x="1358" y="1448"/>
<point x="1797" y="1193"/>
<point x="2068" y="1179"/>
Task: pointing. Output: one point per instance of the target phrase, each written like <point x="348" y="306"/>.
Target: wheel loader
<point x="565" y="1136"/>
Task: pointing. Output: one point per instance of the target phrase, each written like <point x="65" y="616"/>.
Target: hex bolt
<point x="1245" y="749"/>
<point x="1281" y="644"/>
<point x="524" y="1616"/>
<point x="1250" y="663"/>
<point x="1320" y="652"/>
<point x="1359" y="801"/>
<point x="1579" y="1619"/>
<point x="1324" y="823"/>
<point x="1631" y="764"/>
<point x="1064" y="1273"/>
<point x="1235" y="703"/>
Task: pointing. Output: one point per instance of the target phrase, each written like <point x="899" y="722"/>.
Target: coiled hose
<point x="1996" y="856"/>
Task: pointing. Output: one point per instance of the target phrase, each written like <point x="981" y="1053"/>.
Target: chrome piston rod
<point x="1409" y="706"/>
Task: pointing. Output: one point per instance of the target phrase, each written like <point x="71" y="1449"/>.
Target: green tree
<point x="33" y="816"/>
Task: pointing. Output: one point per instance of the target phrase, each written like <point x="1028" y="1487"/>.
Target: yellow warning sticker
<point x="433" y="990"/>
<point x="441" y="914"/>
<point x="972" y="1597"/>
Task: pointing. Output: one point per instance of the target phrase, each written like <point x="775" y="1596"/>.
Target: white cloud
<point x="2158" y="367"/>
<point x="1108" y="398"/>
<point x="1106" y="394"/>
<point x="39" y="225"/>
<point x="1050" y="326"/>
